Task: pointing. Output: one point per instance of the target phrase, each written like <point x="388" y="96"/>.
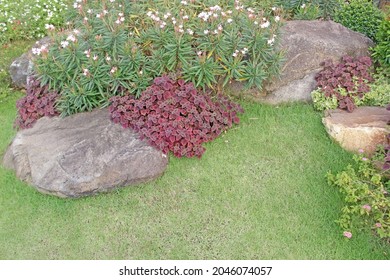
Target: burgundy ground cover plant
<point x="38" y="102"/>
<point x="346" y="80"/>
<point x="173" y="116"/>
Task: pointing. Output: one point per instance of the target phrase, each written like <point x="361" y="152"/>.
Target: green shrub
<point x="29" y="19"/>
<point x="381" y="52"/>
<point x="110" y="48"/>
<point x="366" y="197"/>
<point x="361" y="16"/>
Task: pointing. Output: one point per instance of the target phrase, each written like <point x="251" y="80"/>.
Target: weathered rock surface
<point x="81" y="155"/>
<point x="364" y="128"/>
<point x="307" y="44"/>
<point x="22" y="67"/>
<point x="19" y="70"/>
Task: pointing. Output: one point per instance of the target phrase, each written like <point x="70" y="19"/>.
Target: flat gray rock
<point x="81" y="155"/>
<point x="307" y="44"/>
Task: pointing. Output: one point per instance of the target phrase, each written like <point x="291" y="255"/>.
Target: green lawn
<point x="259" y="192"/>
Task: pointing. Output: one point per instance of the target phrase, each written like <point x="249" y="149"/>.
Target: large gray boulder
<point x="81" y="155"/>
<point x="365" y="128"/>
<point x="306" y="45"/>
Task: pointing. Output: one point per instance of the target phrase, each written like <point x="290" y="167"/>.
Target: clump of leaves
<point x="347" y="80"/>
<point x="38" y="102"/>
<point x="173" y="116"/>
<point x="379" y="94"/>
<point x="360" y="16"/>
<point x="367" y="203"/>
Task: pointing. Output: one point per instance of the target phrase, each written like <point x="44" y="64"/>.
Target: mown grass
<point x="259" y="192"/>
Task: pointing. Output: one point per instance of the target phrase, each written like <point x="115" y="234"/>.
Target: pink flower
<point x="378" y="225"/>
<point x="366" y="207"/>
<point x="364" y="159"/>
<point x="361" y="151"/>
<point x="347" y="234"/>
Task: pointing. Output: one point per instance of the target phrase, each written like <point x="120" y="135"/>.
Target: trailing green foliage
<point x="361" y="16"/>
<point x="29" y="19"/>
<point x="379" y="94"/>
<point x="367" y="202"/>
<point x="322" y="102"/>
<point x="111" y="47"/>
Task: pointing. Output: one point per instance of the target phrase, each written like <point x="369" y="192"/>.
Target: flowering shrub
<point x="309" y="9"/>
<point x="367" y="199"/>
<point x="38" y="102"/>
<point x="174" y="116"/>
<point x="115" y="46"/>
<point x="215" y="45"/>
<point x="346" y="81"/>
<point x="28" y="19"/>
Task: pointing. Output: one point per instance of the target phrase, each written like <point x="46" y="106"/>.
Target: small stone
<point x="19" y="70"/>
<point x="22" y="67"/>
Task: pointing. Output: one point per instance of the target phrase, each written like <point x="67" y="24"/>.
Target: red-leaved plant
<point x="174" y="116"/>
<point x="346" y="80"/>
<point x="38" y="102"/>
